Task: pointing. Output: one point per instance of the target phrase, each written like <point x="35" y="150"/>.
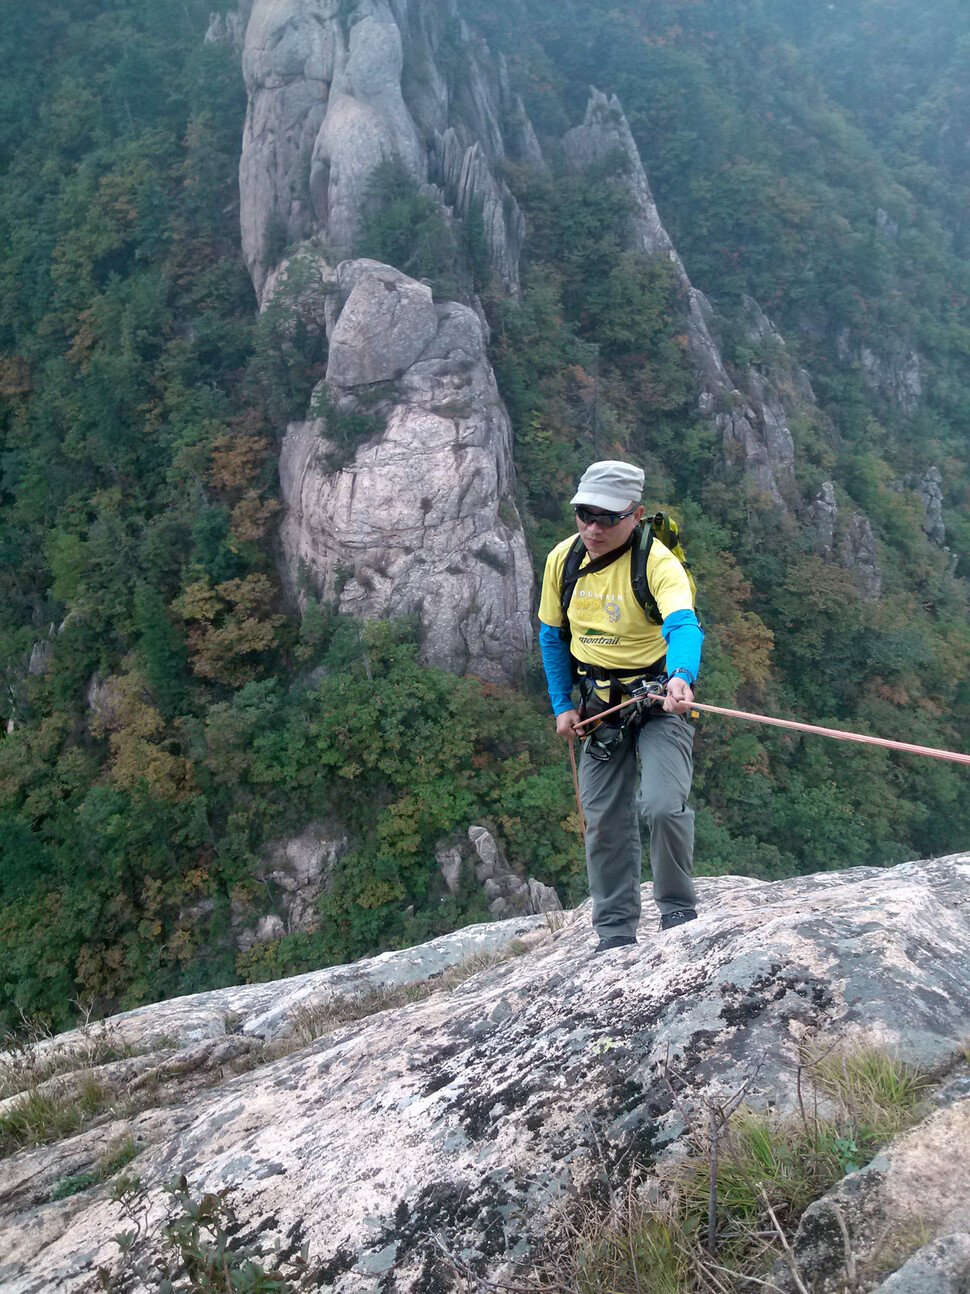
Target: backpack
<point x="661" y="526"/>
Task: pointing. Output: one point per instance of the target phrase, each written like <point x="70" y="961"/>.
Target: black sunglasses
<point x="604" y="519"/>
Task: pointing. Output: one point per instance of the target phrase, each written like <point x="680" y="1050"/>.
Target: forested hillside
<point x="164" y="713"/>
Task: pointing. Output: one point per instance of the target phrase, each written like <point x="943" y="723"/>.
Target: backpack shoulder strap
<point x="639" y="552"/>
<point x="570" y="573"/>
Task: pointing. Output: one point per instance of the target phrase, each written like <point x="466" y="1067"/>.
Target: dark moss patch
<point x="469" y="1215"/>
<point x="475" y="1113"/>
<point x="294" y="1242"/>
<point x="342" y="1261"/>
<point x="744" y="1005"/>
<point x="436" y="1084"/>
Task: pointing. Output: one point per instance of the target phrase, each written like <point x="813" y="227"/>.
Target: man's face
<point x="601" y="539"/>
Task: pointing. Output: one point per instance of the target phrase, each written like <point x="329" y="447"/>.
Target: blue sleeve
<point x="683" y="636"/>
<point x="558" y="666"/>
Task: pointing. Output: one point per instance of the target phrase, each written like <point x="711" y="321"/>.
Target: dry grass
<point x="315" y="1020"/>
<point x="41" y="1111"/>
<point x="37" y="1108"/>
<point x="870" y="1085"/>
<point x="34" y="1058"/>
<point x="42" y="1117"/>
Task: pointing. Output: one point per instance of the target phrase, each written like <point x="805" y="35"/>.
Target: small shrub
<point x="34" y="1058"/>
<point x="345" y="432"/>
<point x="69" y="1186"/>
<point x="407" y="229"/>
<point x="119" y="1156"/>
<point x="116" y="1158"/>
<point x="197" y="1253"/>
<point x="643" y="1247"/>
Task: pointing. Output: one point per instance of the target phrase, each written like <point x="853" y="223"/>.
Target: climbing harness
<point x="602" y="740"/>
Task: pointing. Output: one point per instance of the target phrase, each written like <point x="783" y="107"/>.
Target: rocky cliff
<point x="463" y="1124"/>
<point x="420" y="521"/>
<point x="335" y="89"/>
<point x="752" y="423"/>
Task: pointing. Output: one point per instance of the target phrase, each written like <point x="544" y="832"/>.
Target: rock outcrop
<point x="296" y="870"/>
<point x="467" y="1118"/>
<point x="846" y="539"/>
<point x="419" y="520"/>
<point x="928" y="486"/>
<point x="229" y="28"/>
<point x="752" y="423"/>
<point x="895" y="373"/>
<point x="508" y="892"/>
<point x="334" y="90"/>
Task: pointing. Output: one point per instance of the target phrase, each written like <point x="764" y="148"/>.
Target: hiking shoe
<point x="615" y="941"/>
<point x="677" y="918"/>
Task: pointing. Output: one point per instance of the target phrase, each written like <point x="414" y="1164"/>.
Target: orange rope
<point x="579" y="803"/>
<point x="906" y="747"/>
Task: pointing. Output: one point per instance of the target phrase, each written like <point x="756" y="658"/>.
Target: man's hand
<point x="566" y="724"/>
<point x="679" y="695"/>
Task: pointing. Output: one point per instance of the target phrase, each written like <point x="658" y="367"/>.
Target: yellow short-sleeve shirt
<point x="609" y="628"/>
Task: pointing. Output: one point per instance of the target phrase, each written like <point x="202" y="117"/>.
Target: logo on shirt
<point x="613" y="611"/>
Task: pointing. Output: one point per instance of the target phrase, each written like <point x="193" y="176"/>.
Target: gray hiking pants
<point x="616" y="794"/>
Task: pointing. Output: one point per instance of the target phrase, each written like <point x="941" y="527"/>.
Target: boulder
<point x="451" y="864"/>
<point x="387" y="323"/>
<point x="288" y="63"/>
<point x="41" y="657"/>
<point x="919" y="1183"/>
<point x="821" y="517"/>
<point x="942" y="1267"/>
<point x="507" y="891"/>
<point x="228" y="29"/>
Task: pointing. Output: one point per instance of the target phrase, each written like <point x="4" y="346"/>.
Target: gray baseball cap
<point x="611" y="485"/>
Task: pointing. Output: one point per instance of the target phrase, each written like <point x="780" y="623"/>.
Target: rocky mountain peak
<point x="751" y="422"/>
<point x="415" y="517"/>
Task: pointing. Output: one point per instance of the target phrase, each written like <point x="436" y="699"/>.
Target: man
<point x="607" y="637"/>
